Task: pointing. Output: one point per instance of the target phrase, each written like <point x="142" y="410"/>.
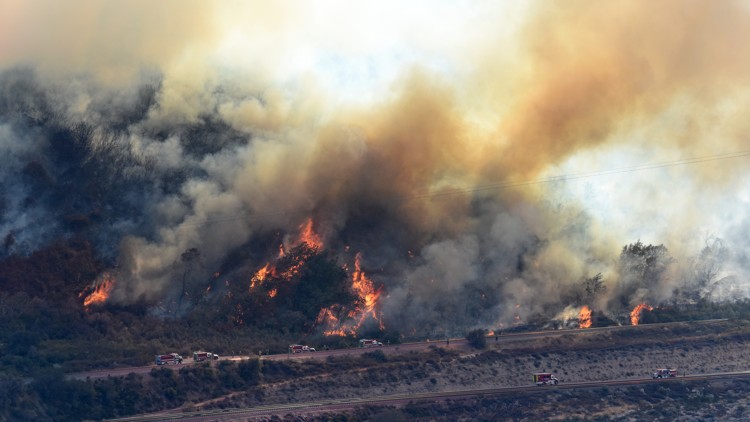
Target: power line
<point x="577" y="176"/>
<point x="508" y="185"/>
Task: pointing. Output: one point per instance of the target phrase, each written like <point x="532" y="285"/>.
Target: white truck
<point x="170" y="358"/>
<point x="201" y="356"/>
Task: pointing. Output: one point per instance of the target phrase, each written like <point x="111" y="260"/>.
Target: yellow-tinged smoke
<point x="390" y="116"/>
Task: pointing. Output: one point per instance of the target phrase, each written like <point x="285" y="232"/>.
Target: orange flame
<point x="364" y="288"/>
<point x="369" y="303"/>
<point x="100" y="292"/>
<point x="308" y="235"/>
<point x="272" y="293"/>
<point x="635" y="314"/>
<point x="261" y="275"/>
<point x="327" y="318"/>
<point x="584" y="317"/>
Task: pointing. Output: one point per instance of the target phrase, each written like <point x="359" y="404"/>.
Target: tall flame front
<point x="367" y="307"/>
<point x="584" y="317"/>
<point x="635" y="314"/>
<point x="308" y="235"/>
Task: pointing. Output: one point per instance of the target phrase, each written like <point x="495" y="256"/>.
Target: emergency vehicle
<point x="545" y="378"/>
<point x="172" y="358"/>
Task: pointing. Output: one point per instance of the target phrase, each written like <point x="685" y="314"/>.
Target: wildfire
<point x="327" y="318"/>
<point x="584" y="317"/>
<point x="364" y="288"/>
<point x="308" y="235"/>
<point x="98" y="292"/>
<point x="272" y="293"/>
<point x="262" y="274"/>
<point x="369" y="299"/>
<point x="635" y="314"/>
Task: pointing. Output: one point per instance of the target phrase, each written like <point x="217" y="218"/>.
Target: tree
<point x="477" y="338"/>
<point x="592" y="287"/>
<point x="642" y="267"/>
<point x="705" y="269"/>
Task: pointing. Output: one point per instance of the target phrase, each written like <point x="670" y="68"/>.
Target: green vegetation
<point x="52" y="397"/>
<point x="477" y="338"/>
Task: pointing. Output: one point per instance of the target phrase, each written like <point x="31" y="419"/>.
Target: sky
<point x="587" y="125"/>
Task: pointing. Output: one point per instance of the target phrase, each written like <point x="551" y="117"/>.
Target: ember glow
<point x="635" y="314"/>
<point x="584" y="317"/>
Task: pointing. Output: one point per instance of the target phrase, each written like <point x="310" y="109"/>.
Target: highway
<point x="401" y="399"/>
<point x="455" y="343"/>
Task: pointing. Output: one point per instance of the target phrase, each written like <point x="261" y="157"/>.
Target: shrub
<point x="477" y="339"/>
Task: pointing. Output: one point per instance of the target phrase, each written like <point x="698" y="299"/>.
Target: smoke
<point x="423" y="139"/>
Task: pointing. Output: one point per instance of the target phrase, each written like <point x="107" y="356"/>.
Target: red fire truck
<point x="201" y="356"/>
<point x="543" y="378"/>
<point x="299" y="348"/>
<point x="172" y="358"/>
<point x="369" y="343"/>
<point x="664" y="373"/>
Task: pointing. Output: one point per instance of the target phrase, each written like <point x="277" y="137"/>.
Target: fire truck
<point x="369" y="343"/>
<point x="172" y="358"/>
<point x="298" y="348"/>
<point x="545" y="378"/>
<point x="664" y="373"/>
<point x="201" y="356"/>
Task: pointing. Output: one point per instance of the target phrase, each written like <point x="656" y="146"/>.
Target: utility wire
<point x="508" y="185"/>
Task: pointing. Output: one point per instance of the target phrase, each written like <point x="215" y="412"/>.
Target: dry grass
<point x="574" y="358"/>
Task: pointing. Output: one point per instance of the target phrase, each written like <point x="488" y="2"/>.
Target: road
<point x="455" y="343"/>
<point x="401" y="399"/>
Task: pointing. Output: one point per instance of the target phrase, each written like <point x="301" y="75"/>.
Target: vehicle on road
<point x="299" y="348"/>
<point x="664" y="373"/>
<point x="369" y="343"/>
<point x="201" y="356"/>
<point x="545" y="378"/>
<point x="170" y="358"/>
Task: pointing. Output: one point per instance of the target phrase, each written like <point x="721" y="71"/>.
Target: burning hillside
<point x="336" y="320"/>
<point x="98" y="293"/>
<point x="480" y="163"/>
